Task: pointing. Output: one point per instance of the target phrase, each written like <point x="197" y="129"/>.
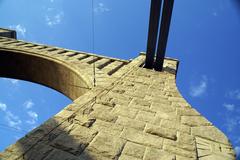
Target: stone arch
<point x="45" y="70"/>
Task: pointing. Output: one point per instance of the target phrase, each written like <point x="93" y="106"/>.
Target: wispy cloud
<point x="200" y="88"/>
<point x="101" y="8"/>
<point x="21" y="30"/>
<point x="13" y="81"/>
<point x="33" y="117"/>
<point x="11" y="119"/>
<point x="231" y="123"/>
<point x="229" y="107"/>
<point x="28" y="104"/>
<point x="53" y="18"/>
<point x="3" y="107"/>
<point x="234" y="94"/>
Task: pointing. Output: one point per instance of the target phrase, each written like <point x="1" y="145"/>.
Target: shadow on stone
<point x="55" y="139"/>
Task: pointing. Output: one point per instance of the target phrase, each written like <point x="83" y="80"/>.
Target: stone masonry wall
<point x="133" y="114"/>
<point x="139" y="116"/>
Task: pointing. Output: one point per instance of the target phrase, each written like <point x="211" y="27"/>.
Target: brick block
<point x="128" y="122"/>
<point x="142" y="138"/>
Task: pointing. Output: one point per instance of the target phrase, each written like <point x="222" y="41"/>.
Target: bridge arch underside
<point x="43" y="70"/>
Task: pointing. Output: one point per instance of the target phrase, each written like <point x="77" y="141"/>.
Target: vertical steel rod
<point x="164" y="32"/>
<point x="153" y="32"/>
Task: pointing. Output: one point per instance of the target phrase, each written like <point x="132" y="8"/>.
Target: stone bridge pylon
<point x="131" y="113"/>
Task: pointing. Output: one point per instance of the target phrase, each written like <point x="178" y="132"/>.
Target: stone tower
<point x="132" y="113"/>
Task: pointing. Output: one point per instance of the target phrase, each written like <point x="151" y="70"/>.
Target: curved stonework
<point x="67" y="71"/>
<point x="131" y="114"/>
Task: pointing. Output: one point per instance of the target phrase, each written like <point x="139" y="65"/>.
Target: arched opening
<point x="40" y="69"/>
<point x="44" y="70"/>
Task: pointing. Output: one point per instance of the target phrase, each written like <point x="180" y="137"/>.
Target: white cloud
<point x="101" y="8"/>
<point x="28" y="104"/>
<point x="32" y="114"/>
<point x="3" y="107"/>
<point x="13" y="120"/>
<point x="54" y="19"/>
<point x="229" y="107"/>
<point x="237" y="150"/>
<point x="231" y="123"/>
<point x="199" y="89"/>
<point x="20" y="29"/>
<point x="235" y="94"/>
<point x="13" y="81"/>
<point x="33" y="117"/>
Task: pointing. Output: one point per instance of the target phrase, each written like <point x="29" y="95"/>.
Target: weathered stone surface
<point x="185" y="138"/>
<point x="126" y="157"/>
<point x="156" y="154"/>
<point x="177" y="144"/>
<point x="89" y="155"/>
<point x="210" y="132"/>
<point x="125" y="111"/>
<point x="146" y="116"/>
<point x="107" y="127"/>
<point x="106" y="145"/>
<point x="179" y="151"/>
<point x="39" y="152"/>
<point x="187" y="112"/>
<point x="65" y="114"/>
<point x="128" y="122"/>
<point x="183" y="128"/>
<point x="58" y="154"/>
<point x="102" y="112"/>
<point x="129" y="109"/>
<point x="142" y="138"/>
<point x="167" y="123"/>
<point x="165" y="108"/>
<point x="134" y="150"/>
<point x="214" y="157"/>
<point x="167" y="116"/>
<point x="140" y="102"/>
<point x="76" y="141"/>
<point x="184" y="158"/>
<point x="195" y="121"/>
<point x="208" y="149"/>
<point x="177" y="99"/>
<point x="161" y="132"/>
<point x="85" y="121"/>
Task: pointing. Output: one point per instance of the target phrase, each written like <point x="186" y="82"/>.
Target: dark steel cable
<point x="93" y="44"/>
<point x="13" y="128"/>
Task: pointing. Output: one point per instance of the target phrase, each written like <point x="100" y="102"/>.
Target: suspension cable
<point x="93" y="44"/>
<point x="13" y="128"/>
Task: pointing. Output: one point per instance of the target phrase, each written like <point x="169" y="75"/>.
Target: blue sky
<point x="204" y="36"/>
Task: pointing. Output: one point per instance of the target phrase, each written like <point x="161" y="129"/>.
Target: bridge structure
<point x="127" y="113"/>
